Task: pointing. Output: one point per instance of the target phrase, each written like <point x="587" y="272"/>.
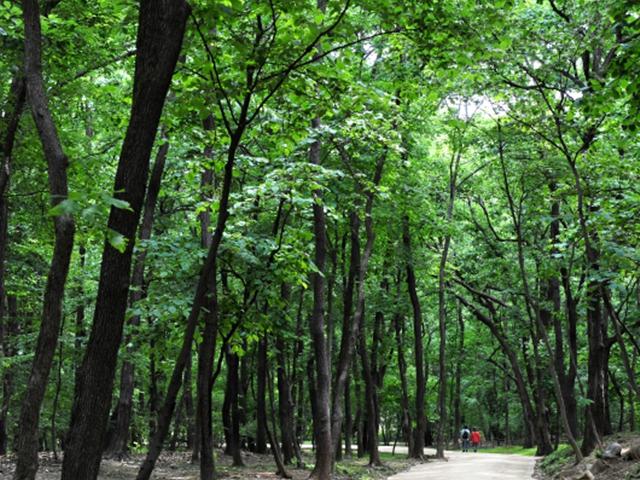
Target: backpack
<point x="465" y="434"/>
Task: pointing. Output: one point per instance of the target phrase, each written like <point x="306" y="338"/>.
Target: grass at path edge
<point x="512" y="450"/>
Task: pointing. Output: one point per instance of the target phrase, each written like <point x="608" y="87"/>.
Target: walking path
<point x="479" y="466"/>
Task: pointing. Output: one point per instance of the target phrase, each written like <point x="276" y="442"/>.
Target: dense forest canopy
<point x="261" y="224"/>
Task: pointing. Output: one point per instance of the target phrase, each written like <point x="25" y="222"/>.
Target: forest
<point x="315" y="230"/>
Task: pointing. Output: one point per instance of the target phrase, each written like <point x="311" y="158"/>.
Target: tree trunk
<point x="420" y="422"/>
<point x="349" y="329"/>
<point x="351" y="326"/>
<point x="348" y="419"/>
<point x="27" y="441"/>
<point x="370" y="399"/>
<point x="233" y="388"/>
<point x="207" y="348"/>
<point x="10" y="335"/>
<point x="187" y="396"/>
<point x="8" y="126"/>
<point x="521" y="388"/>
<point x="572" y="334"/>
<point x="285" y="398"/>
<point x="206" y="354"/>
<point x="457" y="414"/>
<point x="533" y="311"/>
<point x="118" y="443"/>
<point x="160" y="30"/>
<point x="442" y="308"/>
<point x="261" y="411"/>
<point x="322" y="417"/>
<point x="553" y="316"/>
<point x="404" y="385"/>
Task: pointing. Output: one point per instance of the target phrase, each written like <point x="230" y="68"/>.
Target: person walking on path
<point x="475" y="439"/>
<point x="465" y="436"/>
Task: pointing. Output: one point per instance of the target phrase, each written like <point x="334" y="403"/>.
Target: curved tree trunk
<point x="57" y="161"/>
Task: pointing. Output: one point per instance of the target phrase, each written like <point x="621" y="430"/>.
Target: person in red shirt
<point x="475" y="439"/>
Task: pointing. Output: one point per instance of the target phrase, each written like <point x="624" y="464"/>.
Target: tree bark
<point x="370" y="398"/>
<point x="322" y="418"/>
<point x="207" y="348"/>
<point x="11" y="332"/>
<point x="285" y="398"/>
<point x="233" y="389"/>
<point x="57" y="161"/>
<point x="420" y="422"/>
<point x="533" y="311"/>
<point x="498" y="334"/>
<point x="442" y="308"/>
<point x="118" y="444"/>
<point x="360" y="260"/>
<point x="553" y="316"/>
<point x="457" y="414"/>
<point x="161" y="28"/>
<point x="8" y="129"/>
<point x="404" y="385"/>
<point x="261" y="410"/>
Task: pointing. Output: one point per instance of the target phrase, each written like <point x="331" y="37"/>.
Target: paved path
<point x="478" y="466"/>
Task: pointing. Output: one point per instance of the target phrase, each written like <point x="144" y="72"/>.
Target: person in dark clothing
<point x="465" y="437"/>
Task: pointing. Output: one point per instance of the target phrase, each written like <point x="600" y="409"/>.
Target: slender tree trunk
<point x="233" y="387"/>
<point x="187" y="396"/>
<point x="261" y="411"/>
<point x="206" y="351"/>
<point x="153" y="388"/>
<point x="457" y="414"/>
<point x="349" y="329"/>
<point x="348" y="419"/>
<point x="351" y="325"/>
<point x="118" y="442"/>
<point x="285" y="396"/>
<point x="370" y="399"/>
<point x="166" y="412"/>
<point x="553" y="316"/>
<point x="177" y="424"/>
<point x="533" y="312"/>
<point x="8" y="347"/>
<point x="404" y="385"/>
<point x="205" y="383"/>
<point x="420" y="421"/>
<point x="442" y="309"/>
<point x="632" y="408"/>
<point x="624" y="355"/>
<point x="271" y="433"/>
<point x="160" y="30"/>
<point x="8" y="128"/>
<point x="56" y="396"/>
<point x="596" y="420"/>
<point x="521" y="388"/>
<point x="27" y="441"/>
<point x="322" y="418"/>
<point x="572" y="334"/>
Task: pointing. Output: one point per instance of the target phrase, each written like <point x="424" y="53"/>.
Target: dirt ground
<point x="177" y="466"/>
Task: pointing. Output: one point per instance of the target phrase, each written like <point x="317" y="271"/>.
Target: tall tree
<point x="64" y="227"/>
<point x="161" y="27"/>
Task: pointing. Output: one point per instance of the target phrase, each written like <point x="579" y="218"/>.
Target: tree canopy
<point x="260" y="224"/>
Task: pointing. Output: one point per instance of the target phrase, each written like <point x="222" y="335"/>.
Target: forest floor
<point x="177" y="466"/>
<point x="560" y="464"/>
